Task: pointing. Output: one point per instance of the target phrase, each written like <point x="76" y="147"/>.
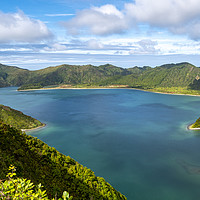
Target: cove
<point x="136" y="140"/>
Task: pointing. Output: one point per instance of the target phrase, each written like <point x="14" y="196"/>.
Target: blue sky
<point x="40" y="33"/>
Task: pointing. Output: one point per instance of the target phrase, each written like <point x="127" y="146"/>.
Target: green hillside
<point x="62" y="74"/>
<point x="172" y="78"/>
<point x="182" y="75"/>
<point x="174" y="75"/>
<point x="17" y="119"/>
<point x="12" y="76"/>
<point x="196" y="124"/>
<point x="40" y="163"/>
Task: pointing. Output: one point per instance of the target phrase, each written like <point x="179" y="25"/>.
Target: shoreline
<point x="76" y="88"/>
<point x="33" y="129"/>
<point x="189" y="127"/>
<point x="84" y="88"/>
<point x="95" y="88"/>
<point x="193" y="95"/>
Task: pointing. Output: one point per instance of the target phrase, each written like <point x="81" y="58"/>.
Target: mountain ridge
<point x="183" y="75"/>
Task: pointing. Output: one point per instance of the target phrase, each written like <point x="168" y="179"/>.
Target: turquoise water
<point x="136" y="140"/>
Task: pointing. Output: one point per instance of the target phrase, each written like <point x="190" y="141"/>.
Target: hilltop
<point x="62" y="74"/>
<point x="173" y="78"/>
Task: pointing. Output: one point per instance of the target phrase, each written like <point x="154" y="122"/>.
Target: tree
<point x="20" y="188"/>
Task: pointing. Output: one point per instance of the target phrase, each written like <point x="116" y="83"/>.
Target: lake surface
<point x="136" y="140"/>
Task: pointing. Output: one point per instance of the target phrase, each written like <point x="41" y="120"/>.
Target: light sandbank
<point x="189" y="127"/>
<point x="33" y="129"/>
<point x="108" y="87"/>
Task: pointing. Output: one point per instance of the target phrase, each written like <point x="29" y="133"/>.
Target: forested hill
<point x="40" y="163"/>
<point x="63" y="74"/>
<point x="12" y="76"/>
<point x="170" y="75"/>
<point x="17" y="119"/>
<point x="183" y="75"/>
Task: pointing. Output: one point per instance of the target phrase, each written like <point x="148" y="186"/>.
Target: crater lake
<point x="137" y="141"/>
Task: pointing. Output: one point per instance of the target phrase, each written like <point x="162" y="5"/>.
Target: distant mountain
<point x="62" y="74"/>
<point x="170" y="75"/>
<point x="12" y="76"/>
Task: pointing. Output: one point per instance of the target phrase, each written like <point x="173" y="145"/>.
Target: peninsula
<point x="18" y="119"/>
<point x="195" y="126"/>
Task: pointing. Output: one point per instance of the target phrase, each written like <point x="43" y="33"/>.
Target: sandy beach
<point x="107" y="87"/>
<point x="189" y="127"/>
<point x="33" y="129"/>
<point x="80" y="88"/>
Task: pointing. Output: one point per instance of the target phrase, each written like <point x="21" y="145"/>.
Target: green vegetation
<point x="63" y="74"/>
<point x="182" y="78"/>
<point x="164" y="78"/>
<point x="31" y="86"/>
<point x="196" y="124"/>
<point x="175" y="90"/>
<point x="36" y="161"/>
<point x="20" y="188"/>
<point x="12" y="76"/>
<point x="17" y="119"/>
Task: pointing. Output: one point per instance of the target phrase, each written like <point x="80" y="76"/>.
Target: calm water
<point x="136" y="140"/>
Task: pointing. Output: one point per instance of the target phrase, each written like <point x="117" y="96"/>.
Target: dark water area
<point x="138" y="141"/>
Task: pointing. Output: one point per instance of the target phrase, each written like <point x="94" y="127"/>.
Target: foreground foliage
<point x="20" y="188"/>
<point x="36" y="161"/>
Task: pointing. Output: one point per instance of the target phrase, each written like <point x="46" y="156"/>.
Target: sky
<point x="35" y="34"/>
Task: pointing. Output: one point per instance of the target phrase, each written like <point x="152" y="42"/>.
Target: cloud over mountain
<point x="18" y="27"/>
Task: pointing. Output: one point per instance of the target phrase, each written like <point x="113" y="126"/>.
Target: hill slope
<point x="12" y="76"/>
<point x="171" y="75"/>
<point x="63" y="74"/>
<point x="184" y="75"/>
<point x="17" y="119"/>
<point x="174" y="75"/>
<point x="40" y="163"/>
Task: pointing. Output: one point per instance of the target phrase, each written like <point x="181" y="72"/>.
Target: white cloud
<point x="56" y="47"/>
<point x="17" y="27"/>
<point x="94" y="44"/>
<point x="104" y="20"/>
<point x="109" y="10"/>
<point x="164" y="13"/>
<point x="58" y="15"/>
<point x="145" y="46"/>
<point x="176" y="16"/>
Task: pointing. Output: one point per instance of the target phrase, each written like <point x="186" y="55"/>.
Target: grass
<point x="175" y="90"/>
